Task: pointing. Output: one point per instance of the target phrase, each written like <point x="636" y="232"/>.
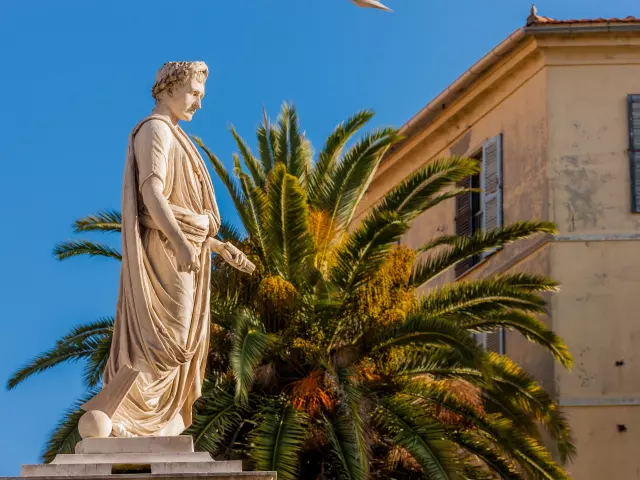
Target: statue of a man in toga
<point x="169" y="220"/>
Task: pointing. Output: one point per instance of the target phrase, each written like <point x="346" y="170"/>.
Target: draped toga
<point x="162" y="317"/>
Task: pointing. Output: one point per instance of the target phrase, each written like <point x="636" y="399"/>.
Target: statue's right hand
<point x="187" y="258"/>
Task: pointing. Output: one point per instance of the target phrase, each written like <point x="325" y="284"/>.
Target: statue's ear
<point x="166" y="93"/>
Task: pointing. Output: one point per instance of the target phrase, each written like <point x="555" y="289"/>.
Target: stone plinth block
<point x="140" y="458"/>
<point x="178" y="476"/>
<point x="178" y="444"/>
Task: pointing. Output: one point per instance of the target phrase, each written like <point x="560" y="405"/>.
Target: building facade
<point x="551" y="113"/>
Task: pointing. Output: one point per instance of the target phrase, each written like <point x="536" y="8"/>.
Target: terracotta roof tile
<point x="540" y="20"/>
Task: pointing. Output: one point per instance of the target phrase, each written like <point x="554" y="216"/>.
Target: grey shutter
<point x="495" y="341"/>
<point x="492" y="341"/>
<point x="481" y="338"/>
<point x="491" y="183"/>
<point x="463" y="221"/>
<point x="633" y="102"/>
<point x="491" y="186"/>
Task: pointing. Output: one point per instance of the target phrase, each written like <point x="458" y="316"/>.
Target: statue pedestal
<point x="157" y="458"/>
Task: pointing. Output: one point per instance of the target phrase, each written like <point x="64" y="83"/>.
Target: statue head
<point x="179" y="87"/>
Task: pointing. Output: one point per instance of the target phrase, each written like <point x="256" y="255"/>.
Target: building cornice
<point x="434" y="108"/>
<point x="440" y="104"/>
<point x="578" y="28"/>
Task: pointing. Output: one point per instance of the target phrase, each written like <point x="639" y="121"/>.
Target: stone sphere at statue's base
<point x="94" y="424"/>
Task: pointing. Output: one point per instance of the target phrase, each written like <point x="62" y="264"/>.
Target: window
<point x="633" y="102"/>
<point x="477" y="211"/>
<point x="468" y="216"/>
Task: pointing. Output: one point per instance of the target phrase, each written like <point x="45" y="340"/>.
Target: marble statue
<point x="169" y="222"/>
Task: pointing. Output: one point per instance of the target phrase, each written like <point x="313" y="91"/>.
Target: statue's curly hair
<point x="173" y="74"/>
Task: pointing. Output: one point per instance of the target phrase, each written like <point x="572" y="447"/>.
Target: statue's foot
<point x="173" y="428"/>
<point x="119" y="430"/>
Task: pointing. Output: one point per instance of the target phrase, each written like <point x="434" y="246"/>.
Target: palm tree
<point x="325" y="363"/>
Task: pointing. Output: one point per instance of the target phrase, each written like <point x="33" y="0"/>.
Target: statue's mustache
<point x="193" y="108"/>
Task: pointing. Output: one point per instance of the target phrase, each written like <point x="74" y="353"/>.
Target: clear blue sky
<point x="76" y="76"/>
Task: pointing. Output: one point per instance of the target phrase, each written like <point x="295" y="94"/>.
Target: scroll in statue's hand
<point x="232" y="255"/>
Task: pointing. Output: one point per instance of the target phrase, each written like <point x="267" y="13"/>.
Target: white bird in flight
<point x="372" y="4"/>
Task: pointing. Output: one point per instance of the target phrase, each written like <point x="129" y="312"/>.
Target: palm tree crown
<point x="325" y="363"/>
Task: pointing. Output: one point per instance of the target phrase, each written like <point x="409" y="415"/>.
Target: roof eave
<point x="569" y="28"/>
<point x="454" y="90"/>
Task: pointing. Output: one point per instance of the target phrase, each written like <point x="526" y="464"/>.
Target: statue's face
<point x="184" y="100"/>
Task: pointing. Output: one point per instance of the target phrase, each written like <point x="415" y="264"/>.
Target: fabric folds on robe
<point x="162" y="318"/>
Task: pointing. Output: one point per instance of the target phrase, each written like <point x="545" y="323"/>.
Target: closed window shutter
<point x="481" y="338"/>
<point x="491" y="186"/>
<point x="463" y="221"/>
<point x="495" y="341"/>
<point x="634" y="150"/>
<point x="491" y="183"/>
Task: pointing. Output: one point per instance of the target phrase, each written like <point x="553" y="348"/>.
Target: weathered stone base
<point x="177" y="476"/>
<point x="140" y="458"/>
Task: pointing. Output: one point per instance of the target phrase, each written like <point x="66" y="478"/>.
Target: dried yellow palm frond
<point x="322" y="235"/>
<point x="387" y="297"/>
<point x="277" y="300"/>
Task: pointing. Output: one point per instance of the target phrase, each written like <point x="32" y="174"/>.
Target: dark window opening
<point x="468" y="217"/>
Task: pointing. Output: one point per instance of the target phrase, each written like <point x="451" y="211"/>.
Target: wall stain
<point x="461" y="147"/>
<point x="580" y="181"/>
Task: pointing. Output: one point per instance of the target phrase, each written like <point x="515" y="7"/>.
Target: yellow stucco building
<point x="549" y="111"/>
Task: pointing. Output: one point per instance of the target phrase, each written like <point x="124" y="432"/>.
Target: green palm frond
<point x="363" y="252"/>
<point x="457" y="248"/>
<point x="422" y="331"/>
<point x="419" y="362"/>
<point x="266" y="144"/>
<point x="65" y="436"/>
<point x="103" y="221"/>
<point x="529" y="326"/>
<point x="97" y="362"/>
<point x="217" y="414"/>
<point x="282" y="154"/>
<point x="278" y="439"/>
<point x="423" y="188"/>
<point x="525" y="449"/>
<point x="528" y="282"/>
<point x="230" y="233"/>
<point x="256" y="201"/>
<point x="292" y="150"/>
<point x="510" y="383"/>
<point x="412" y="428"/>
<point x="232" y="187"/>
<point x="353" y="398"/>
<point x="300" y="156"/>
<point x="287" y="224"/>
<point x="320" y="178"/>
<point x="75" y="248"/>
<point x="81" y="343"/>
<point x="351" y="177"/>
<point x="79" y="333"/>
<point x="485" y="451"/>
<point x="345" y="449"/>
<point x="509" y="390"/>
<point x="487" y="296"/>
<point x="252" y="163"/>
<point x="250" y="344"/>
